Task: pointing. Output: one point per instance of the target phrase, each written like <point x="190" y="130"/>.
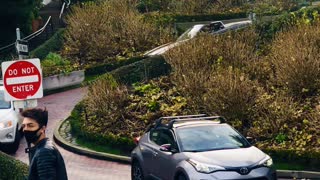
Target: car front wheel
<point x="136" y="171"/>
<point x="182" y="177"/>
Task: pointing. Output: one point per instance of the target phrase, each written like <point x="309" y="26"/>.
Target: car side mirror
<point x="167" y="148"/>
<point x="251" y="140"/>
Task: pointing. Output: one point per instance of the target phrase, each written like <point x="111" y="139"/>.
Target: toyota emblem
<point x="244" y="170"/>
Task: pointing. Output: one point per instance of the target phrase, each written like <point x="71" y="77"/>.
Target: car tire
<point x="136" y="171"/>
<point x="181" y="177"/>
<point x="13" y="147"/>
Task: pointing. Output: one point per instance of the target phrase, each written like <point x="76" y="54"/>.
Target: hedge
<point x="209" y="17"/>
<point x="308" y="159"/>
<point x="103" y="68"/>
<point x="145" y="69"/>
<point x="51" y="45"/>
<point x="124" y="144"/>
<point x="11" y="168"/>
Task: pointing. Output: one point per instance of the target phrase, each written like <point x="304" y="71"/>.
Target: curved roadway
<point x="79" y="167"/>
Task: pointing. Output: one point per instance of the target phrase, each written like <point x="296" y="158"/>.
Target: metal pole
<point x="18" y="38"/>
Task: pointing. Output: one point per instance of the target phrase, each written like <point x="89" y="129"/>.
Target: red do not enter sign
<point x="22" y="79"/>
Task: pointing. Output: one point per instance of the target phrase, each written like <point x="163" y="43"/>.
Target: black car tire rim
<point x="137" y="172"/>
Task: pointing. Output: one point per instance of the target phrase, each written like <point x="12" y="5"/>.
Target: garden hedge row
<point x="11" y="168"/>
<point x="209" y="17"/>
<point x="125" y="145"/>
<point x="145" y="69"/>
<point x="103" y="68"/>
<point x="52" y="45"/>
<point x="309" y="159"/>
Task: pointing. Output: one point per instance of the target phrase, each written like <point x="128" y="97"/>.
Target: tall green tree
<point x="16" y="13"/>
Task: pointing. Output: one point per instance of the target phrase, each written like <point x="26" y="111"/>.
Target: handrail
<point x="64" y="6"/>
<point x="62" y="9"/>
<point x="29" y="37"/>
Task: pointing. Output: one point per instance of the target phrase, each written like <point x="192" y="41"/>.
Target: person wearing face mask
<point x="45" y="161"/>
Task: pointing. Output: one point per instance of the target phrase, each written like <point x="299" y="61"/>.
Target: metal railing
<point x="10" y="48"/>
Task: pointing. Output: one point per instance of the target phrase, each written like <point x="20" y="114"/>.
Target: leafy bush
<point x="297" y="66"/>
<point x="11" y="168"/>
<point x="116" y="113"/>
<point x="54" y="44"/>
<point x="55" y="64"/>
<point x="273" y="116"/>
<point x="98" y="31"/>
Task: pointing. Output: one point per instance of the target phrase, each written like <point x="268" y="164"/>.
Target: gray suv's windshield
<point x="209" y="137"/>
<point x="3" y="103"/>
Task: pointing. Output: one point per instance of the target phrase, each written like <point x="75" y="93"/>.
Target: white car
<point x="216" y="27"/>
<point x="10" y="125"/>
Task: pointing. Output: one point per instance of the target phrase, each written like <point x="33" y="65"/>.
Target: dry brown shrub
<point x="105" y="104"/>
<point x="210" y="72"/>
<point x="193" y="61"/>
<point x="232" y="94"/>
<point x="97" y="31"/>
<point x="295" y="56"/>
<point x="273" y="114"/>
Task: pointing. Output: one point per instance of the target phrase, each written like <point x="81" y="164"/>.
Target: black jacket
<point x="46" y="162"/>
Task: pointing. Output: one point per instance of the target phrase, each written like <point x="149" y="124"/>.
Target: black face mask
<point x="31" y="136"/>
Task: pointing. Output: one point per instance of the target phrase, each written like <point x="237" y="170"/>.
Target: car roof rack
<point x="159" y="123"/>
<point x="220" y="118"/>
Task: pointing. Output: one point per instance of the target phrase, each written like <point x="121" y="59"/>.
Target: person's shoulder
<point x="48" y="147"/>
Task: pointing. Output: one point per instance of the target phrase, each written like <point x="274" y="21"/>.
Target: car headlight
<point x="267" y="161"/>
<point x="204" y="168"/>
<point x="5" y="124"/>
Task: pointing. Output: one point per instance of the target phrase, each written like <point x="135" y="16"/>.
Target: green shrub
<point x="11" y="168"/>
<point x="77" y="119"/>
<point x="145" y="69"/>
<point x="114" y="113"/>
<point x="54" y="44"/>
<point x="267" y="29"/>
<point x="310" y="159"/>
<point x="55" y="64"/>
<point x="98" y="31"/>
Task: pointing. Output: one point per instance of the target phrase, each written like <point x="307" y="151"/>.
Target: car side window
<point x="162" y="136"/>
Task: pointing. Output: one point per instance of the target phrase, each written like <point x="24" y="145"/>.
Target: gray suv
<point x="197" y="147"/>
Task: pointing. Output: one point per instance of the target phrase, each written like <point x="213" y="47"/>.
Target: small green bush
<point x="11" y="168"/>
<point x="55" y="64"/>
<point x="54" y="44"/>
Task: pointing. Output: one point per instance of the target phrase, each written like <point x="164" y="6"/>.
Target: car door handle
<point x="154" y="153"/>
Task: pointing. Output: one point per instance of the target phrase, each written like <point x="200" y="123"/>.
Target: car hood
<point x="229" y="157"/>
<point x="6" y="114"/>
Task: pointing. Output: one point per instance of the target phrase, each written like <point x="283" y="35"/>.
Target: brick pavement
<point x="79" y="167"/>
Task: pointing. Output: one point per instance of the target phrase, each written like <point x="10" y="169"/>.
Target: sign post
<point x="22" y="79"/>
